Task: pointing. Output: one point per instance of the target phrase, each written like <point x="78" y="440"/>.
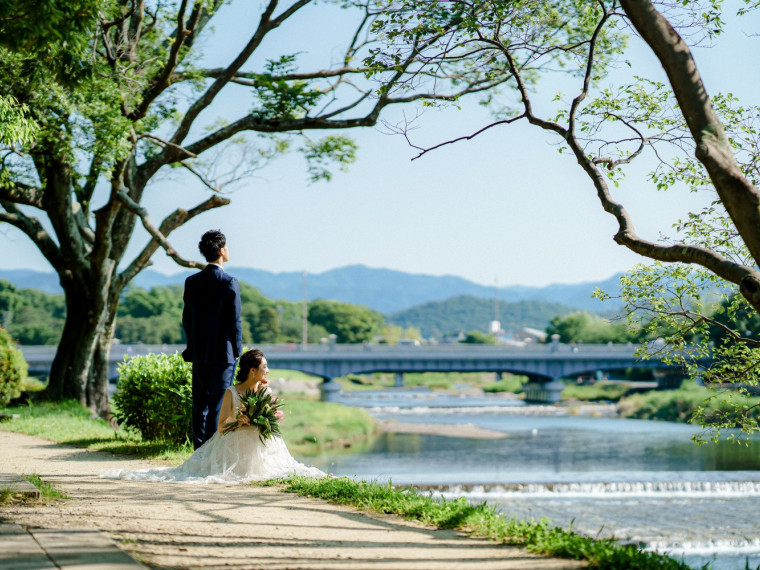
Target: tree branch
<point x="21" y="194"/>
<point x="738" y="195"/>
<point x="169" y="224"/>
<point x="264" y="27"/>
<point x="34" y="231"/>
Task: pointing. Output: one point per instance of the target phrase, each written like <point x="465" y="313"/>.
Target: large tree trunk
<point x="80" y="366"/>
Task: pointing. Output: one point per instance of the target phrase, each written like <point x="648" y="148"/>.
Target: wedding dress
<point x="237" y="456"/>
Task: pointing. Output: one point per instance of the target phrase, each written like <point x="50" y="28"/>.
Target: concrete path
<point x="33" y="549"/>
<point x="165" y="525"/>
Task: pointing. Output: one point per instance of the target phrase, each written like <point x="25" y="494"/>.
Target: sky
<point x="505" y="207"/>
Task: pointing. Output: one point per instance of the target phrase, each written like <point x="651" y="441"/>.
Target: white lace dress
<point x="237" y="456"/>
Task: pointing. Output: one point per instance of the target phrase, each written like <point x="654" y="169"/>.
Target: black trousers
<point x="209" y="383"/>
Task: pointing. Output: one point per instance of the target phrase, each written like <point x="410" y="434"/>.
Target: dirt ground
<point x="171" y="525"/>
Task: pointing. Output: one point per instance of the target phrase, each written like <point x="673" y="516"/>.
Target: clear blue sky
<point x="505" y="205"/>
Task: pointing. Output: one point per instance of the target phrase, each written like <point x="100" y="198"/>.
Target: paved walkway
<point x="166" y="525"/>
<point x="32" y="549"/>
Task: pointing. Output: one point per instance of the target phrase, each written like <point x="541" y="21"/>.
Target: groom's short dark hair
<point x="211" y="242"/>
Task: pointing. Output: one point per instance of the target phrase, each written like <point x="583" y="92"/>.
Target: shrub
<point x="679" y="405"/>
<point x="13" y="369"/>
<point x="154" y="396"/>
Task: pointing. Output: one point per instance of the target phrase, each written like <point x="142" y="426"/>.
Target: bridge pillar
<point x="544" y="392"/>
<point x="329" y="390"/>
<point x="399" y="380"/>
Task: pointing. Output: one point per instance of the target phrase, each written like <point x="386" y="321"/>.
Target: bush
<point x="679" y="405"/>
<point x="13" y="369"/>
<point x="154" y="396"/>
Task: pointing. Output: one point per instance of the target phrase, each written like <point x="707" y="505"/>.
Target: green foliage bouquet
<point x="259" y="409"/>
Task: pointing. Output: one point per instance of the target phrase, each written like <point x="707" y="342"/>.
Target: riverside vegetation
<point x="157" y="426"/>
<point x="676" y="405"/>
<point x="479" y="520"/>
<point x="69" y="422"/>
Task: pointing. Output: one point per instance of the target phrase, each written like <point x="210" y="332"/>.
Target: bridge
<point x="543" y="364"/>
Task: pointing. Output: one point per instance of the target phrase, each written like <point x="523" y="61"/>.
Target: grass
<point x="48" y="493"/>
<point x="69" y="422"/>
<point x="310" y="427"/>
<point x="608" y="391"/>
<point x="435" y="381"/>
<point x="479" y="520"/>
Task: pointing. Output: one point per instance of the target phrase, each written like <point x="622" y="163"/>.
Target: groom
<point x="211" y="319"/>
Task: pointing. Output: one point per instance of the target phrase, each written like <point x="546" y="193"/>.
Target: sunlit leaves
<point x="701" y="323"/>
<point x="320" y="154"/>
<point x="15" y="124"/>
<point x="277" y="98"/>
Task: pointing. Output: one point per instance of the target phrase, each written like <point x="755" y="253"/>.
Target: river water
<point x="638" y="481"/>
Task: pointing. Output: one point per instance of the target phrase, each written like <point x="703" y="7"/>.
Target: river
<point x="638" y="481"/>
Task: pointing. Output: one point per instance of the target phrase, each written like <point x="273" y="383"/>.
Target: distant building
<point x="529" y="335"/>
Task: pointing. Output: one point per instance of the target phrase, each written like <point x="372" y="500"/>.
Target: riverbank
<point x="466" y="430"/>
<point x="179" y="526"/>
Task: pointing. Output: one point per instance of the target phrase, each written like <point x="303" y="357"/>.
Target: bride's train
<point x="234" y="457"/>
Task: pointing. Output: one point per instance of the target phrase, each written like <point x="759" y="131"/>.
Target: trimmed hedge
<point x="154" y="396"/>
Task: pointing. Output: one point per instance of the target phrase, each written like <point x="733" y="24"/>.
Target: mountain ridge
<point x="385" y="290"/>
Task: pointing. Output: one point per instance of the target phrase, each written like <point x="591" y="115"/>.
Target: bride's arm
<point x="227" y="413"/>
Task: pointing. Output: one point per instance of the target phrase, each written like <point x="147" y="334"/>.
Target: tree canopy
<point x="114" y="94"/>
<point x="697" y="137"/>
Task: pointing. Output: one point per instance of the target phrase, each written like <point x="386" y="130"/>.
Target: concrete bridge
<point x="543" y="364"/>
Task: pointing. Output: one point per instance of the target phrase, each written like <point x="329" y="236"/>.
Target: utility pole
<point x="496" y="299"/>
<point x="304" y="337"/>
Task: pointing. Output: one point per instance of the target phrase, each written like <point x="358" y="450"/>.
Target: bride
<point x="236" y="456"/>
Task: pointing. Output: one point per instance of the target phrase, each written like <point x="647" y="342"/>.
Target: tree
<point x="41" y="29"/>
<point x="698" y="141"/>
<point x="267" y="328"/>
<point x="583" y="326"/>
<point x="478" y="337"/>
<point x="122" y="99"/>
<point x="350" y="323"/>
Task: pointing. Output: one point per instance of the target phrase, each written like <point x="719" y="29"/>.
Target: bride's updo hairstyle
<point x="250" y="360"/>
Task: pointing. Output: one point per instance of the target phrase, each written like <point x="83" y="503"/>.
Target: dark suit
<point x="211" y="319"/>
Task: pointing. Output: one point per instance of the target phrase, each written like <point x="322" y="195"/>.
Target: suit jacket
<point x="211" y="317"/>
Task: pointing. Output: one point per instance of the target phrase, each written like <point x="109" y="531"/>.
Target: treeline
<point x="590" y="328"/>
<point x="155" y="317"/>
<point x="465" y="314"/>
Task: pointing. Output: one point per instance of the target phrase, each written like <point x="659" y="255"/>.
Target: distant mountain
<point x="465" y="313"/>
<point x="29" y="279"/>
<point x="384" y="290"/>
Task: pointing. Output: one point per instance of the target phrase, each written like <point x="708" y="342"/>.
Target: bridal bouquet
<point x="259" y="409"/>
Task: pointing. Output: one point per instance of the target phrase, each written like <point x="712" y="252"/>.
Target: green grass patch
<point x="7" y="495"/>
<point x="435" y="381"/>
<point x="69" y="422"/>
<point x="295" y="375"/>
<point x="312" y="426"/>
<point x="599" y="391"/>
<point x="47" y="491"/>
<point x="509" y="383"/>
<point x="309" y="428"/>
<point x="479" y="520"/>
